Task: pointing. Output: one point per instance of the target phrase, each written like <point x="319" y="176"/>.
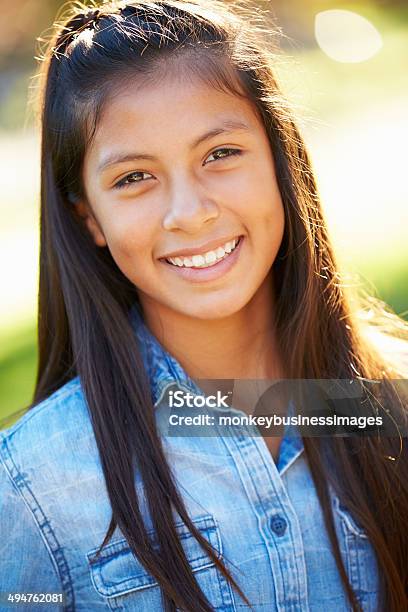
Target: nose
<point x="189" y="208"/>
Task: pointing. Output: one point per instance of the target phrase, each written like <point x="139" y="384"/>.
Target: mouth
<point x="208" y="259"/>
<point x="205" y="268"/>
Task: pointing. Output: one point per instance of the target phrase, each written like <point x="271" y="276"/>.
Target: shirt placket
<point x="277" y="520"/>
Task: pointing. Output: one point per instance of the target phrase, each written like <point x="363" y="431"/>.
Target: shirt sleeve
<point x="26" y="565"/>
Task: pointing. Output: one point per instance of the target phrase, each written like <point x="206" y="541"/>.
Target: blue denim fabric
<point x="264" y="519"/>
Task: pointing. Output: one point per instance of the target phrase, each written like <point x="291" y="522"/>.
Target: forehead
<point x="168" y="109"/>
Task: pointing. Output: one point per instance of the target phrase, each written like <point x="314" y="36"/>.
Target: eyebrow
<point x="226" y="128"/>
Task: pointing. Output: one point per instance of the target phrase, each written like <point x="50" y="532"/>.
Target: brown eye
<point x="133" y="177"/>
<point x="223" y="153"/>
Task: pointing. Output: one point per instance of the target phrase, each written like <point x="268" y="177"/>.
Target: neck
<point x="240" y="346"/>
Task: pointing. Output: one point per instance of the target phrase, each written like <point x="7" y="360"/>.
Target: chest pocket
<point x="118" y="576"/>
<point x="359" y="558"/>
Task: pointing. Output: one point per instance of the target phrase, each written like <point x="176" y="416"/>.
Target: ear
<point x="84" y="211"/>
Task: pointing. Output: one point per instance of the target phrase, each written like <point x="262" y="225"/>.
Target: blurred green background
<point x="347" y="80"/>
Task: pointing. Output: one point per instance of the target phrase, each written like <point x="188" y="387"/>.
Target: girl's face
<point x="177" y="174"/>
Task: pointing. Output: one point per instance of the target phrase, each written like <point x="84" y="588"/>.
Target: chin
<point x="217" y="309"/>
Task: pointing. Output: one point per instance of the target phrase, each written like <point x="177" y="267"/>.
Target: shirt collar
<point x="163" y="369"/>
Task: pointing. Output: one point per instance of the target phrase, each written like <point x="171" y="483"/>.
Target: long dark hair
<point x="84" y="326"/>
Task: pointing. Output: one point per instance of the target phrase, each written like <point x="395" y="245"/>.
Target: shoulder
<point x="39" y="459"/>
<point x="48" y="434"/>
<point x="49" y="461"/>
<point x="49" y="413"/>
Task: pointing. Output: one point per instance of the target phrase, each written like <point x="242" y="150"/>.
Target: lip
<point x="202" y="275"/>
<point x="208" y="246"/>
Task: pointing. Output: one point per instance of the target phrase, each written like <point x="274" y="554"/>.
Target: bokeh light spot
<point x="346" y="36"/>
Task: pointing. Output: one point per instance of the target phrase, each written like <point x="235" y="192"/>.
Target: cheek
<point x="131" y="245"/>
<point x="268" y="215"/>
<point x="268" y="194"/>
<point x="259" y="199"/>
<point x="274" y="220"/>
<point x="130" y="234"/>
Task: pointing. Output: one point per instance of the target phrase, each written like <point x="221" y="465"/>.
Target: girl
<point x="182" y="238"/>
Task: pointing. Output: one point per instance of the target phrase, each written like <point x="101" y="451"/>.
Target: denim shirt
<point x="263" y="518"/>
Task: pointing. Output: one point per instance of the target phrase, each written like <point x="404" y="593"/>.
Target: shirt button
<point x="278" y="525"/>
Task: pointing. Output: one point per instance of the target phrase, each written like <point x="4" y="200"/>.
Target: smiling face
<point x="181" y="187"/>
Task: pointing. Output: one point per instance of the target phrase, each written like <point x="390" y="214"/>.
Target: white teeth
<point x="210" y="257"/>
<point x="232" y="244"/>
<point x="206" y="259"/>
<point x="198" y="260"/>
